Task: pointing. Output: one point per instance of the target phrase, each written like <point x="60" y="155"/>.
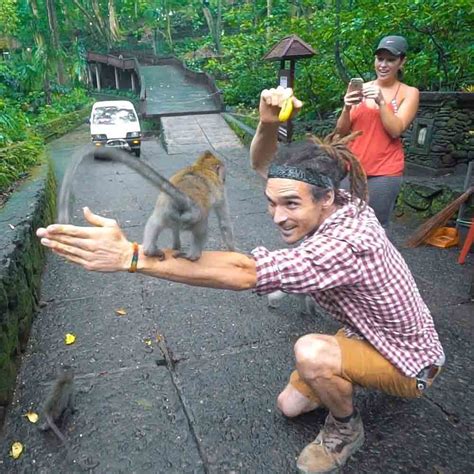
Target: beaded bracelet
<point x="133" y="265"/>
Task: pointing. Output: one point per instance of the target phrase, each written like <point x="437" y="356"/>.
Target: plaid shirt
<point x="353" y="271"/>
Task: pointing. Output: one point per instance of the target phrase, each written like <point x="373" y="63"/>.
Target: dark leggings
<point x="383" y="192"/>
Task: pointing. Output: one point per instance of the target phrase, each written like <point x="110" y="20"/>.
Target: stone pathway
<point x="186" y="380"/>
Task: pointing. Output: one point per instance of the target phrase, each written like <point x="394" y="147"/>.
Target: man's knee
<point x="317" y="356"/>
<point x="286" y="406"/>
<point x="292" y="403"/>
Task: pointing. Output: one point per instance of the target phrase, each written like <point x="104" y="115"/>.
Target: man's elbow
<point x="263" y="172"/>
<point x="245" y="275"/>
<point x="259" y="169"/>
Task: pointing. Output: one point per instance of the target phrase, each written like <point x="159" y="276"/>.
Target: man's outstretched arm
<point x="104" y="248"/>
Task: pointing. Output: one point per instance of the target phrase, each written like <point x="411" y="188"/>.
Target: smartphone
<point x="356" y="84"/>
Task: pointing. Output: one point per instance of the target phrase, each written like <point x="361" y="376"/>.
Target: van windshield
<point x="113" y="116"/>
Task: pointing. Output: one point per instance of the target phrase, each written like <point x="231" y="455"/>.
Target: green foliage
<point x="13" y="123"/>
<point x="439" y="56"/>
<point x="65" y="100"/>
<point x="9" y="21"/>
<point x="26" y="121"/>
<point x="61" y="124"/>
<point x="18" y="158"/>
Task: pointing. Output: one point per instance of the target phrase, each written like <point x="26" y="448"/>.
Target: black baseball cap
<point x="396" y="45"/>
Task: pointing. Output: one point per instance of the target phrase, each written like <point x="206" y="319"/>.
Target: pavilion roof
<point x="290" y="47"/>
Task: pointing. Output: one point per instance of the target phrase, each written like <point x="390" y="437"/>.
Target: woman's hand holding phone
<point x="372" y="91"/>
<point x="354" y="92"/>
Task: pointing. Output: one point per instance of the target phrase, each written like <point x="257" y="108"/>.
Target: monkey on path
<point x="183" y="205"/>
<point x="59" y="403"/>
<point x="57" y="407"/>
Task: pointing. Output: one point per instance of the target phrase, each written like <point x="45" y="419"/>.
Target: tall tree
<point x="113" y="22"/>
<point x="54" y="34"/>
<point x="41" y="56"/>
<point x="214" y="24"/>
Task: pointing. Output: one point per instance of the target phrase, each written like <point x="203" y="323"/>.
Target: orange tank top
<point x="378" y="153"/>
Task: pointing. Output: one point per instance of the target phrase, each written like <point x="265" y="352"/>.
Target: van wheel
<point x="137" y="153"/>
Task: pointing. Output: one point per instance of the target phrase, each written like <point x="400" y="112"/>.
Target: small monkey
<point x="184" y="203"/>
<point x="58" y="405"/>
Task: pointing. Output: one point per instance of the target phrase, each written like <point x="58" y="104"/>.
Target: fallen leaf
<point x="144" y="403"/>
<point x="70" y="338"/>
<point x="16" y="450"/>
<point x="159" y="337"/>
<point x="32" y="416"/>
<point x="120" y="312"/>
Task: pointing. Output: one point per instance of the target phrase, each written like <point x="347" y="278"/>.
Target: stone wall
<point x="21" y="263"/>
<point x="442" y="135"/>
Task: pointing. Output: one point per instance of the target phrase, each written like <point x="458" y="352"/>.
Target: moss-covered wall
<point x="428" y="200"/>
<point x="61" y="125"/>
<point x="441" y="135"/>
<point x="21" y="262"/>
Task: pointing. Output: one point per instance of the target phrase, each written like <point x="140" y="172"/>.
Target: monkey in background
<point x="59" y="405"/>
<point x="184" y="204"/>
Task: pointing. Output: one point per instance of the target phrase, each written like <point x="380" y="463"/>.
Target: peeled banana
<point x="286" y="109"/>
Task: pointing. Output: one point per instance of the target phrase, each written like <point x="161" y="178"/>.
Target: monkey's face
<point x="294" y="210"/>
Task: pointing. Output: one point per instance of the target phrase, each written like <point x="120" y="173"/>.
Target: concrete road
<point x="186" y="380"/>
<point x="168" y="91"/>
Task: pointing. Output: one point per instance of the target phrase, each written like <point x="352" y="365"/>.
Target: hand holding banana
<point x="286" y="109"/>
<point x="278" y="105"/>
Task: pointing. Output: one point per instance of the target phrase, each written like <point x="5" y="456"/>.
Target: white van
<point x="114" y="123"/>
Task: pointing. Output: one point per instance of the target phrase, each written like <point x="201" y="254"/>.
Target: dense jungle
<point x="43" y="45"/>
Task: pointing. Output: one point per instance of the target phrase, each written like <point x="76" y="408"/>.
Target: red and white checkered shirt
<point x="354" y="272"/>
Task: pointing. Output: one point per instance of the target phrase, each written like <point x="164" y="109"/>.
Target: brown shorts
<point x="363" y="365"/>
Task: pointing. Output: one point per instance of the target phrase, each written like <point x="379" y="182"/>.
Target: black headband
<point x="306" y="175"/>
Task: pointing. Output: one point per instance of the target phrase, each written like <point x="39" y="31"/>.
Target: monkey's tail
<point x="182" y="200"/>
<point x="66" y="190"/>
<point x="84" y="465"/>
<point x="56" y="431"/>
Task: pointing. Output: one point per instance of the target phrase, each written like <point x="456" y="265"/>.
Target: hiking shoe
<point x="332" y="447"/>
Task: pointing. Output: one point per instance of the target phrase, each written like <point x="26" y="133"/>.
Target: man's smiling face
<point x="293" y="208"/>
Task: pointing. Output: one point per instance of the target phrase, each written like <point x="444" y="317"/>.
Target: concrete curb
<point x="21" y="265"/>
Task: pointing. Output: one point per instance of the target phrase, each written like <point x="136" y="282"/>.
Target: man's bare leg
<point x="292" y="403"/>
<point x="319" y="364"/>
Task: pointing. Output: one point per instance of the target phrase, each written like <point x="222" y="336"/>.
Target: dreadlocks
<point x="328" y="157"/>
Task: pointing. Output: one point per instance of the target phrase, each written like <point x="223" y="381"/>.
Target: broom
<point x="425" y="230"/>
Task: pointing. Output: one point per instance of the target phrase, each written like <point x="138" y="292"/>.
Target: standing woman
<point x="383" y="110"/>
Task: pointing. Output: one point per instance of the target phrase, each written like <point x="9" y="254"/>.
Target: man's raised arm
<point x="265" y="142"/>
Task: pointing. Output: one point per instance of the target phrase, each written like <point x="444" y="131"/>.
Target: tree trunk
<point x="100" y="23"/>
<point x="268" y="32"/>
<point x="341" y="68"/>
<point x="38" y="37"/>
<point x="218" y="27"/>
<point x="94" y="19"/>
<point x="53" y="26"/>
<point x="215" y="26"/>
<point x="113" y="24"/>
<point x="210" y="23"/>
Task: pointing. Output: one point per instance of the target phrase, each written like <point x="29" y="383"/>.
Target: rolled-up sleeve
<point x="313" y="266"/>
